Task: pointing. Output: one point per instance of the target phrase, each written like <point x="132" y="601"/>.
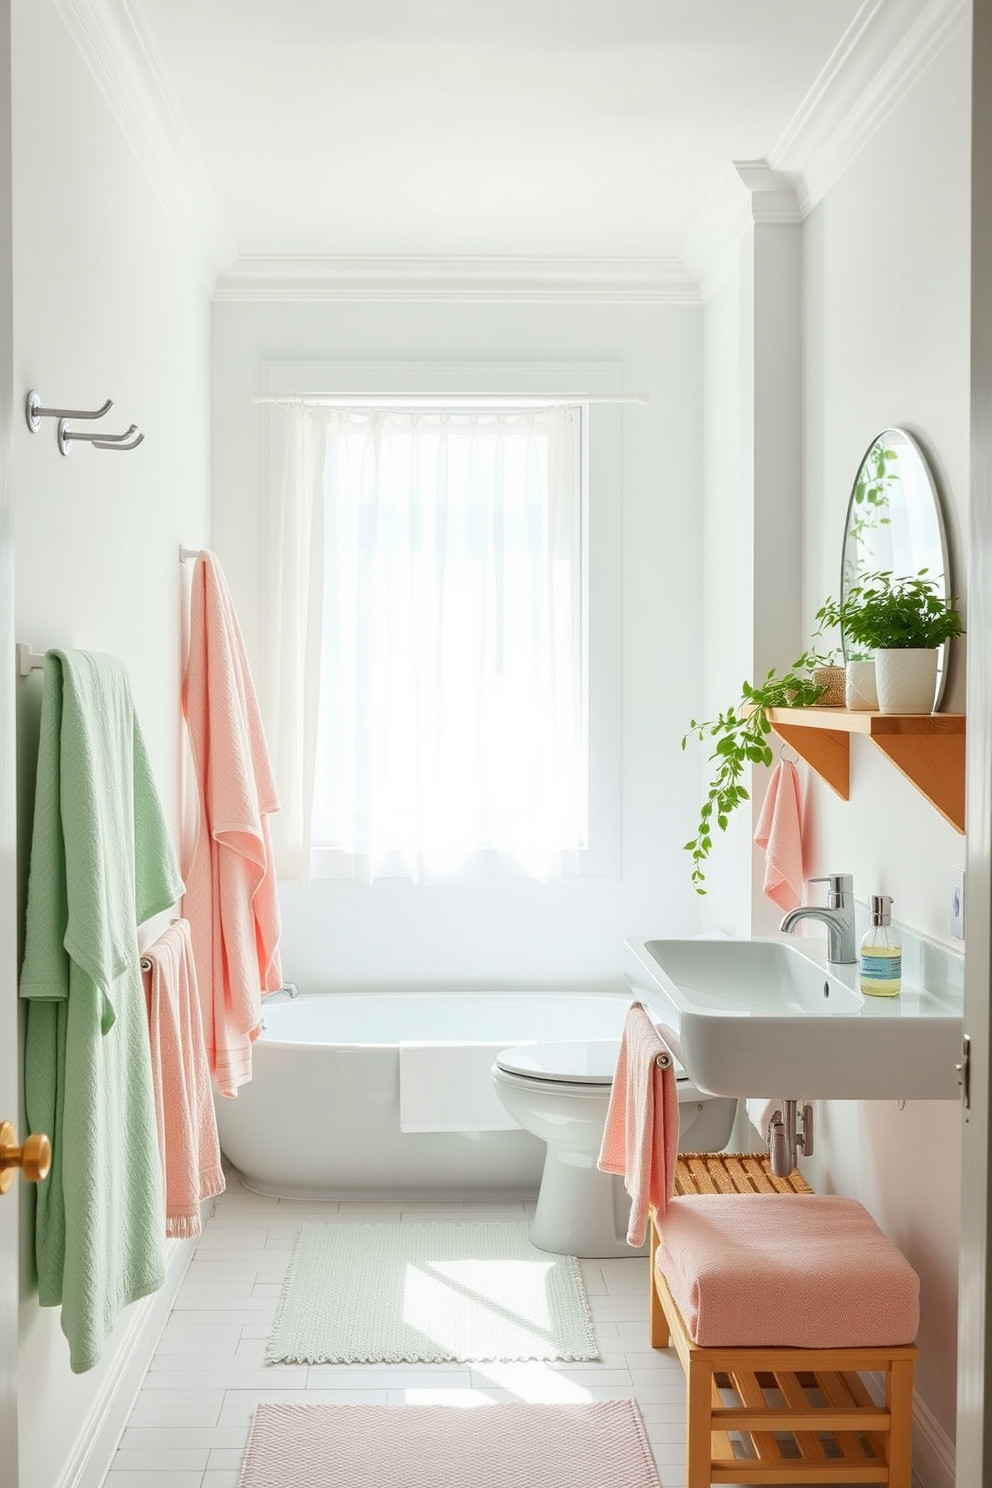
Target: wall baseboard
<point x="94" y="1451"/>
<point x="933" y="1451"/>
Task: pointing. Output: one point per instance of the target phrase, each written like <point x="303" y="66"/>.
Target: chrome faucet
<point x="838" y="916"/>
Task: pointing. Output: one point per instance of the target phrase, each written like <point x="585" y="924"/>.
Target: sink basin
<point x="769" y="1017"/>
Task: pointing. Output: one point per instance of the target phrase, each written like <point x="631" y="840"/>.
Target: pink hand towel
<point x="184" y="1106"/>
<point x="641" y="1135"/>
<point x="230" y="901"/>
<point x="780" y="836"/>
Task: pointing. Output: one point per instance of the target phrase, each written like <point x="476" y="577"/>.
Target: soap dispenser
<point x="880" y="972"/>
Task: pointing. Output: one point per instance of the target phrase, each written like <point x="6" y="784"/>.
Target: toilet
<point x="560" y="1092"/>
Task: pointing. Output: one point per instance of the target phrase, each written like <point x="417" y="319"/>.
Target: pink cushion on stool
<point x="788" y="1270"/>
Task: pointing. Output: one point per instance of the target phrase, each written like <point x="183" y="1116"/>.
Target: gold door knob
<point x="34" y="1159"/>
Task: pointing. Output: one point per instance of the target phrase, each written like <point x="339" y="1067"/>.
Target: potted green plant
<point x="903" y="621"/>
<point x="741" y="735"/>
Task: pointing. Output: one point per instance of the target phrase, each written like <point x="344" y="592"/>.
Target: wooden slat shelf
<point x="927" y="747"/>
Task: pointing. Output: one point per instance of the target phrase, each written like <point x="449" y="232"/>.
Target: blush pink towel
<point x="780" y="836"/>
<point x="641" y="1135"/>
<point x="230" y="901"/>
<point x="184" y="1105"/>
<point x="785" y="1270"/>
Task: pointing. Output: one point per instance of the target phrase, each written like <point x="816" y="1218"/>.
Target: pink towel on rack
<point x="780" y="836"/>
<point x="641" y="1135"/>
<point x="230" y="901"/>
<point x="184" y="1106"/>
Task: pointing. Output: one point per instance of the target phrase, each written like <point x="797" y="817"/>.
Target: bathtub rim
<point x="309" y="998"/>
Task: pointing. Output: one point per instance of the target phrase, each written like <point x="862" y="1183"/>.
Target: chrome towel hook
<point x="35" y="413"/>
<point x="66" y="435"/>
<point x="116" y="442"/>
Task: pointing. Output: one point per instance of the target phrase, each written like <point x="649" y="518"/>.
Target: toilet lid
<point x="575" y="1062"/>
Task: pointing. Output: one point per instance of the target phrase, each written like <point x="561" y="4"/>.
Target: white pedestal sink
<point x="769" y="1017"/>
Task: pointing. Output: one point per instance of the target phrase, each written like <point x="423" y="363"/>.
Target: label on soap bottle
<point x="881" y="968"/>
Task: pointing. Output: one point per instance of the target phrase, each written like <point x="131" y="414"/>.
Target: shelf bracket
<point x="934" y="764"/>
<point x="827" y="751"/>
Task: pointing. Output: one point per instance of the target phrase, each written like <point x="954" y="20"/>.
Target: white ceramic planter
<point x="860" y="692"/>
<point x="906" y="680"/>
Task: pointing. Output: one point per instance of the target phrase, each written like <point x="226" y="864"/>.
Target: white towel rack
<point x="28" y="661"/>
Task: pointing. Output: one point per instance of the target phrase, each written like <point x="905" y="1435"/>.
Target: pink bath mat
<point x="428" y="1294"/>
<point x="445" y="1446"/>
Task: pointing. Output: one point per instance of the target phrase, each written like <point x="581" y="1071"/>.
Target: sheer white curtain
<point x="449" y="733"/>
<point x="292" y="637"/>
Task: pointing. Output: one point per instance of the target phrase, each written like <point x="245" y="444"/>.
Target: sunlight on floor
<point x="456" y="1303"/>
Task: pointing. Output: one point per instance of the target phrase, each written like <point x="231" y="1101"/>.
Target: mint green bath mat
<point x="428" y="1293"/>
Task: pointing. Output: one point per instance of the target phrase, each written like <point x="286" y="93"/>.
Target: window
<point x="451" y="720"/>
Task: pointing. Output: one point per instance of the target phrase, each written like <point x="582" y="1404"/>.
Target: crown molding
<point x="282" y="278"/>
<point x="116" y="47"/>
<point x="885" y="50"/>
<point x="748" y="193"/>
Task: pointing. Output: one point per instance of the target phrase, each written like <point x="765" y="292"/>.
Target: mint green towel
<point x="101" y="862"/>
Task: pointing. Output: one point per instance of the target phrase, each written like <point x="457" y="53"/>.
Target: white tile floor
<point x="190" y="1421"/>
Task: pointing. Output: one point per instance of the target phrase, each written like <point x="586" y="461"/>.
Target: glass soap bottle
<point x="880" y="971"/>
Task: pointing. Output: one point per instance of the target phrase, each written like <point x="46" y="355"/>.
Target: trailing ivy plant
<point x="741" y="735"/>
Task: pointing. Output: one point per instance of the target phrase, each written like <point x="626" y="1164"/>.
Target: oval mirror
<point x="894" y="522"/>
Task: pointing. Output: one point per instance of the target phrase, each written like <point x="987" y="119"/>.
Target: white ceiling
<point x="506" y="128"/>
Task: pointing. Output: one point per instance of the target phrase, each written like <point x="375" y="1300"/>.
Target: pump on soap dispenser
<point x="880" y="970"/>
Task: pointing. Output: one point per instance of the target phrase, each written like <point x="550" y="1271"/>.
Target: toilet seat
<point x="570" y="1062"/>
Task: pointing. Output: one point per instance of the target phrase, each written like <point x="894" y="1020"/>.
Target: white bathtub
<point x="320" y="1117"/>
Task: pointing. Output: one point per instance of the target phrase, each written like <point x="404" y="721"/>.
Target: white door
<point x="974" y="1433"/>
<point x="8" y="881"/>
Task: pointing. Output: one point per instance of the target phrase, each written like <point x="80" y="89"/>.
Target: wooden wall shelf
<point x="927" y="747"/>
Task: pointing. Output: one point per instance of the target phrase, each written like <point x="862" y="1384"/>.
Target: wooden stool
<point x="802" y="1414"/>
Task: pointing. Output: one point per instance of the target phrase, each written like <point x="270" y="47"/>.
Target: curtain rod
<point x="443" y="400"/>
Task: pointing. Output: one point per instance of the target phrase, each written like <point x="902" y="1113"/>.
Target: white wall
<point x="727" y="586"/>
<point x="885" y="341"/>
<point x="885" y="336"/>
<point x="752" y="457"/>
<point x="108" y="303"/>
<point x="886" y="332"/>
<point x="520" y="933"/>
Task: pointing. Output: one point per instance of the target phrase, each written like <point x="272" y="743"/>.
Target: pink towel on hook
<point x="184" y="1106"/>
<point x="641" y="1135"/>
<point x="230" y="901"/>
<point x="780" y="836"/>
